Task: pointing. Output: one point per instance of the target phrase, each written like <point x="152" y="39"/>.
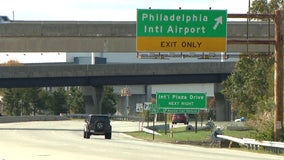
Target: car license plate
<point x="92" y="130"/>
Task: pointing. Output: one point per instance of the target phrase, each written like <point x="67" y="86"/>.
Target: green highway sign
<point x="181" y="30"/>
<point x="174" y="111"/>
<point x="181" y="23"/>
<point x="181" y="100"/>
<point x="154" y="109"/>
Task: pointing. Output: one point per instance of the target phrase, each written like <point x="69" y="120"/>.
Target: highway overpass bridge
<point x="115" y="74"/>
<point x="88" y="36"/>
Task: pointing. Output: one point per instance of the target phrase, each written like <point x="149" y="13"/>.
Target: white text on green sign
<point x="181" y="100"/>
<point x="181" y="23"/>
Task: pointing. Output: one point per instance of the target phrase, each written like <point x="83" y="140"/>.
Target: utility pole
<point x="278" y="75"/>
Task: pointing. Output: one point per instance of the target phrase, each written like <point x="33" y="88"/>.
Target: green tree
<point x="58" y="101"/>
<point x="10" y="101"/>
<point x="75" y="100"/>
<point x="14" y="102"/>
<point x="109" y="101"/>
<point x="11" y="97"/>
<point x="248" y="84"/>
<point x="27" y="101"/>
<point x="22" y="101"/>
<point x="250" y="87"/>
<point x="41" y="105"/>
<point x="252" y="79"/>
<point x="35" y="99"/>
<point x="265" y="6"/>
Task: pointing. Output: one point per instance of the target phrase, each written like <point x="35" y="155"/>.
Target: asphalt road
<point x="58" y="140"/>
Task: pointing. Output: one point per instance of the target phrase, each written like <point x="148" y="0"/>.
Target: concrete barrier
<point x="10" y="119"/>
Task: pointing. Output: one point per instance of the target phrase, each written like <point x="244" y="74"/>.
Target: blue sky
<point x="105" y="10"/>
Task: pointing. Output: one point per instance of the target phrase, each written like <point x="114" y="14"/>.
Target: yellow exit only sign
<point x="181" y="44"/>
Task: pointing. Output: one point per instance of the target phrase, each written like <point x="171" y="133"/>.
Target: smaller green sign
<point x="154" y="109"/>
<point x="181" y="100"/>
<point x="176" y="111"/>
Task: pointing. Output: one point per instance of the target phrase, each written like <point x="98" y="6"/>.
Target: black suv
<point x="97" y="124"/>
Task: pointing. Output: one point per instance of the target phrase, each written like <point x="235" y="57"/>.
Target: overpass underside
<point x="93" y="77"/>
<point x="110" y="80"/>
<point x="113" y="74"/>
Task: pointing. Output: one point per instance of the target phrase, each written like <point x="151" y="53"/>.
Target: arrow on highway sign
<point x="219" y="20"/>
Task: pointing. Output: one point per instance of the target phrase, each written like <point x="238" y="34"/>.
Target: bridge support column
<point x="93" y="97"/>
<point x="223" y="110"/>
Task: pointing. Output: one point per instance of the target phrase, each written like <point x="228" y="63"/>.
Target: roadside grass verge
<point x="201" y="138"/>
<point x="181" y="135"/>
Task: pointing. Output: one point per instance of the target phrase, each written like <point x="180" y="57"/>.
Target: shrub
<point x="262" y="124"/>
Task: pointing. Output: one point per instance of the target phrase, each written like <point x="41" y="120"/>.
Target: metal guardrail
<point x="276" y="147"/>
<point x="9" y="119"/>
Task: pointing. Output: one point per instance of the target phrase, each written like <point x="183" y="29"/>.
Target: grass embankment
<point x="181" y="135"/>
<point x="202" y="138"/>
